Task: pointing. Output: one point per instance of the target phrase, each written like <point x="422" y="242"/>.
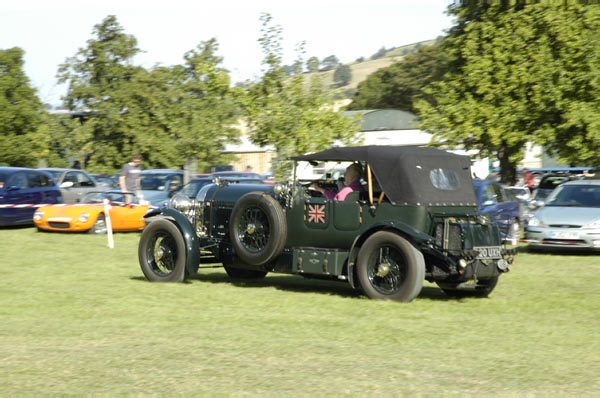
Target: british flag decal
<point x="316" y="213"/>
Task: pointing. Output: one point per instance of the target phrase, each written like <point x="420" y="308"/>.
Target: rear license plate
<point x="564" y="235"/>
<point x="489" y="252"/>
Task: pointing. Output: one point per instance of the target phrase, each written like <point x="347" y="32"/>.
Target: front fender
<point x="192" y="246"/>
<point x="414" y="236"/>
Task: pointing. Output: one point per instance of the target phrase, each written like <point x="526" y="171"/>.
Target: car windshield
<point x="113" y="197"/>
<point x="552" y="182"/>
<point x="191" y="189"/>
<point x="154" y="182"/>
<point x="575" y="196"/>
<point x="55" y="174"/>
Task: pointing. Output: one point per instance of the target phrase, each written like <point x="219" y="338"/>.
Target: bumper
<point x="563" y="238"/>
<point x="63" y="224"/>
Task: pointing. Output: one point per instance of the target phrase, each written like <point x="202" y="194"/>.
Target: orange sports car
<point x="126" y="214"/>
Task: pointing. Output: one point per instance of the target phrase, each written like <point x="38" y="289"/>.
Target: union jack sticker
<point x="316" y="214"/>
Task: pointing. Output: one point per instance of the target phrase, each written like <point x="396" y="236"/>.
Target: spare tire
<point x="257" y="228"/>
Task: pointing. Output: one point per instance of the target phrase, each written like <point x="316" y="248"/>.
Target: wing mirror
<point x="13" y="188"/>
<point x="66" y="184"/>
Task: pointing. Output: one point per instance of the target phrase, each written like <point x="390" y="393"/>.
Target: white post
<point x="109" y="231"/>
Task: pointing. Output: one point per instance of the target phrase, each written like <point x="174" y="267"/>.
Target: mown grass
<point x="79" y="318"/>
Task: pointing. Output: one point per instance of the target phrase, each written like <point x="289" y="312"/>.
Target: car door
<point x="17" y="192"/>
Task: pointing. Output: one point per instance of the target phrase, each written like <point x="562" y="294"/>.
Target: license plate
<point x="564" y="235"/>
<point x="489" y="252"/>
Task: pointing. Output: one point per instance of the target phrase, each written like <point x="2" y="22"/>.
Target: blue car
<point x="502" y="206"/>
<point x="158" y="185"/>
<point x="21" y="191"/>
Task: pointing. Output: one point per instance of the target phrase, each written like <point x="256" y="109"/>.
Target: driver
<point x="351" y="180"/>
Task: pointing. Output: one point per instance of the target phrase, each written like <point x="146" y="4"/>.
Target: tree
<point x="518" y="74"/>
<point x="400" y="85"/>
<point x="166" y="114"/>
<point x="379" y="54"/>
<point x="287" y="114"/>
<point x="329" y="63"/>
<point x="342" y="76"/>
<point x="24" y="138"/>
<point x="312" y="64"/>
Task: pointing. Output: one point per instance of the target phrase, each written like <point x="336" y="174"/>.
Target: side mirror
<point x="66" y="184"/>
<point x="13" y="188"/>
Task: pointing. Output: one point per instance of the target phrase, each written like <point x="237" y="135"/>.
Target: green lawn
<point x="79" y="318"/>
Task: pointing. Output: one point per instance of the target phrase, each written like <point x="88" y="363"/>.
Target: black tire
<point x="238" y="273"/>
<point x="479" y="290"/>
<point x="161" y="252"/>
<point x="257" y="228"/>
<point x="390" y="268"/>
<point x="99" y="226"/>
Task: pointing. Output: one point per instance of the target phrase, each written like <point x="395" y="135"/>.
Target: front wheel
<point x="389" y="267"/>
<point x="99" y="226"/>
<point x="161" y="252"/>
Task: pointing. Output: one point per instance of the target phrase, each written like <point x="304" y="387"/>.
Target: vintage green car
<point x="415" y="220"/>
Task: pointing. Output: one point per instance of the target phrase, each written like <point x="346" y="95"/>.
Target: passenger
<point x="351" y="180"/>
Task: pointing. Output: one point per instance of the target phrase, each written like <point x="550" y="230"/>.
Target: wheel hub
<point x="250" y="229"/>
<point x="383" y="269"/>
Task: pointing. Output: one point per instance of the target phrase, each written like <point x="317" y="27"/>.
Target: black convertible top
<point x="411" y="175"/>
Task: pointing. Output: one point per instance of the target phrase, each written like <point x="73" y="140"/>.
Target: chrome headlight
<point x="184" y="204"/>
<point x="38" y="215"/>
<point x="83" y="217"/>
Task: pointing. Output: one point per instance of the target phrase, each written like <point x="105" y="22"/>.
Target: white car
<point x="570" y="218"/>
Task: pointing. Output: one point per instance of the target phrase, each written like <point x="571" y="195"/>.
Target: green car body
<point x="424" y="226"/>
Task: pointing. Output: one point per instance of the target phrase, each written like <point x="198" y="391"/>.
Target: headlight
<point x="535" y="222"/>
<point x="183" y="203"/>
<point x="594" y="224"/>
<point x="83" y="217"/>
<point x="38" y="215"/>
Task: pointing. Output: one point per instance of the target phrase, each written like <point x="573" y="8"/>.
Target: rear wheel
<point x="389" y="267"/>
<point x="480" y="289"/>
<point x="161" y="252"/>
<point x="99" y="226"/>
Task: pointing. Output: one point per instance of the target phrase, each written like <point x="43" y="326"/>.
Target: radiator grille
<point x="63" y="225"/>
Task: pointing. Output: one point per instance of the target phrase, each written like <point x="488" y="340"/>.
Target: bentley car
<point x="126" y="214"/>
<point x="416" y="219"/>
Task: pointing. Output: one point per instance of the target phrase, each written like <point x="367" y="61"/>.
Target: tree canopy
<point x="517" y="74"/>
<point x="23" y="135"/>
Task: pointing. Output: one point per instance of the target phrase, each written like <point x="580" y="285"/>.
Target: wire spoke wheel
<point x="162" y="253"/>
<point x="254" y="230"/>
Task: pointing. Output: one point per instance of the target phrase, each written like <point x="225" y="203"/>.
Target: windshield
<point x="192" y="188"/>
<point x="575" y="196"/>
<point x="552" y="182"/>
<point x="154" y="182"/>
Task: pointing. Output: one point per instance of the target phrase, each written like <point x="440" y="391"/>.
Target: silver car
<point x="569" y="219"/>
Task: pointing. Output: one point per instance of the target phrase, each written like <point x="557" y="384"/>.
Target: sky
<point x="50" y="31"/>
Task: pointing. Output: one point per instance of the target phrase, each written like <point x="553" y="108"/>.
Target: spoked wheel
<point x="99" y="226"/>
<point x="389" y="267"/>
<point x="257" y="228"/>
<point x="161" y="252"/>
<point x="479" y="289"/>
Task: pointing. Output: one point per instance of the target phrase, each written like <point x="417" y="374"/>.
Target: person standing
<point x="528" y="179"/>
<point x="129" y="180"/>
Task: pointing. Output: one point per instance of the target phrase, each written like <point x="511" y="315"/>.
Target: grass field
<point x="79" y="318"/>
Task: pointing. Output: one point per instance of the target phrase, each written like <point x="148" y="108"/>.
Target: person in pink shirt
<point x="351" y="180"/>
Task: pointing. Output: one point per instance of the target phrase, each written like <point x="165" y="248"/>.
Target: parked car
<point x="126" y="214"/>
<point x="547" y="184"/>
<point x="158" y="184"/>
<point x="21" y="191"/>
<point x="74" y="184"/>
<point x="245" y="176"/>
<point x="570" y="218"/>
<point x="190" y="190"/>
<point x="521" y="193"/>
<point x="502" y="207"/>
<point x="423" y="224"/>
<point x="106" y="181"/>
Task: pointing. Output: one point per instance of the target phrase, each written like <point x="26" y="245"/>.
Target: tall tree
<point x="24" y="137"/>
<point x="312" y="64"/>
<point x="342" y="76"/>
<point x="287" y="114"/>
<point x="329" y="63"/>
<point x="400" y="85"/>
<point x="528" y="72"/>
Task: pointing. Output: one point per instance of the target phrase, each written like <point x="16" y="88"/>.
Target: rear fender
<point x="417" y="239"/>
<point x="192" y="246"/>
